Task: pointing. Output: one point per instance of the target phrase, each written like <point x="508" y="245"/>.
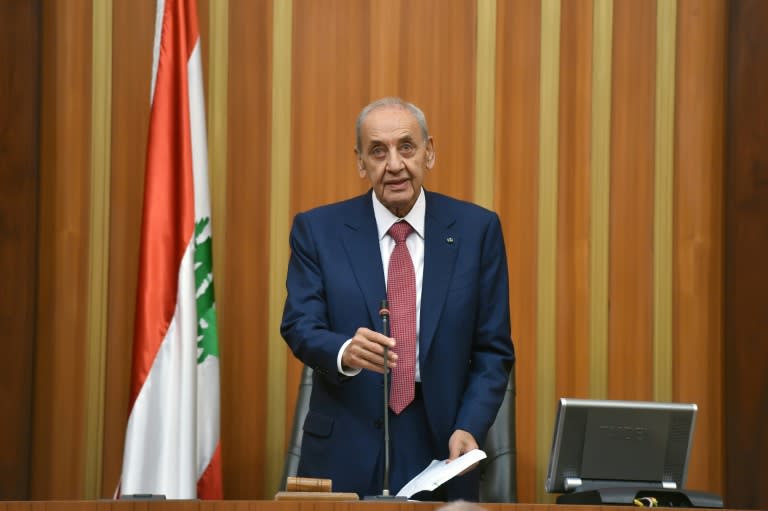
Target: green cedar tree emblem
<point x="207" y="332"/>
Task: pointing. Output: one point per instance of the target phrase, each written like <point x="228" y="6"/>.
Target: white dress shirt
<point x="415" y="243"/>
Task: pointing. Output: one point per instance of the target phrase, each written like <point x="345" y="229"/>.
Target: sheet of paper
<point x="439" y="472"/>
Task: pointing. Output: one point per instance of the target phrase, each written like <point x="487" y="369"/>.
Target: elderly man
<point x="441" y="265"/>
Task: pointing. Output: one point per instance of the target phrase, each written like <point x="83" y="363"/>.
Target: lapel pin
<point x="449" y="240"/>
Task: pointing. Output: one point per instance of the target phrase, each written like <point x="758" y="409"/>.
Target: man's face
<point x="394" y="157"/>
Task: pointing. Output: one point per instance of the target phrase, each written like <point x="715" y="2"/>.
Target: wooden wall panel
<point x="346" y="53"/>
<point x="133" y="33"/>
<point x="20" y="34"/>
<point x="242" y="299"/>
<point x="59" y="402"/>
<point x="698" y="200"/>
<point x="631" y="223"/>
<point x="204" y="28"/>
<point x="746" y="243"/>
<point x="436" y="68"/>
<point x="573" y="199"/>
<point x="331" y="61"/>
<point x="515" y="199"/>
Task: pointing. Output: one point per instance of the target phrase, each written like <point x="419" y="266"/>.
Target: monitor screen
<point x="602" y="443"/>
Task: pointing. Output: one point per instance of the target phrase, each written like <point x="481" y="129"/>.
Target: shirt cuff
<point x="346" y="371"/>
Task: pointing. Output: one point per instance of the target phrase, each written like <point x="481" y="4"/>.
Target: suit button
<point x="379" y="423"/>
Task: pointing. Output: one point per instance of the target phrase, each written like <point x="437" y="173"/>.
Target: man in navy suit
<point x="337" y="279"/>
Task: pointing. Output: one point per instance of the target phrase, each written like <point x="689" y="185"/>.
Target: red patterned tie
<point x="401" y="293"/>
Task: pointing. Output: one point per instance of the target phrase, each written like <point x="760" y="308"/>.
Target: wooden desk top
<point x="265" y="505"/>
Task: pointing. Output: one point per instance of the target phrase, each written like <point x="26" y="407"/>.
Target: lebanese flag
<point x="172" y="439"/>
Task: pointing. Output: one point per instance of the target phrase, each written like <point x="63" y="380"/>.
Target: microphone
<point x="384" y="314"/>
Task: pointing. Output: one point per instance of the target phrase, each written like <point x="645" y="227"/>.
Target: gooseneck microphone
<point x="384" y="315"/>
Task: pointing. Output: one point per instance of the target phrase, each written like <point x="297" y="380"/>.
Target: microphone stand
<point x="384" y="314"/>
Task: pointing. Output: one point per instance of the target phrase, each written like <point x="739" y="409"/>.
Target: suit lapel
<point x="361" y="243"/>
<point x="441" y="245"/>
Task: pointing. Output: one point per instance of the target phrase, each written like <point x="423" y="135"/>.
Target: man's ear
<point x="430" y="153"/>
<point x="360" y="164"/>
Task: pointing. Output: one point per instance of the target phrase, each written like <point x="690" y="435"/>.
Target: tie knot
<point x="400" y="231"/>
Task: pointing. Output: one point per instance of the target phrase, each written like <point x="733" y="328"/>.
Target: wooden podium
<point x="270" y="505"/>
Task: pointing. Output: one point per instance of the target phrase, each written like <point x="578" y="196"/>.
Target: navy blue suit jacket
<point x="336" y="284"/>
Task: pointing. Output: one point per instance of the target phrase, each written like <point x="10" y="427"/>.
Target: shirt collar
<point x="385" y="219"/>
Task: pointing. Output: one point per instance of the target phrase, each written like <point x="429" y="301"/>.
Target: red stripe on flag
<point x="210" y="486"/>
<point x="168" y="215"/>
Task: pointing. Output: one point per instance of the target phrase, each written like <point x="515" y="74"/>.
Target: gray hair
<point x="390" y="101"/>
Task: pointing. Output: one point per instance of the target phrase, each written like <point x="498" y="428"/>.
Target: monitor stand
<point x="626" y="496"/>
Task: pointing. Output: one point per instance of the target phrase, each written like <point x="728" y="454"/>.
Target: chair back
<point x="498" y="472"/>
<point x="291" y="464"/>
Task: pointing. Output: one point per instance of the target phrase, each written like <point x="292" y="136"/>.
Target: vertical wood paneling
<point x="59" y="403"/>
<point x="367" y="50"/>
<point x="516" y="190"/>
<point x="573" y="353"/>
<point x="546" y="275"/>
<point x="485" y="103"/>
<point x="98" y="242"/>
<point x="632" y="169"/>
<point x="20" y="34"/>
<point x="215" y="42"/>
<point x="698" y="210"/>
<point x="279" y="224"/>
<point x="332" y="56"/>
<point x="384" y="46"/>
<point x="436" y="65"/>
<point x="204" y="13"/>
<point x="663" y="201"/>
<point x="599" y="208"/>
<point x="132" y="37"/>
<point x="746" y="243"/>
<point x="243" y="304"/>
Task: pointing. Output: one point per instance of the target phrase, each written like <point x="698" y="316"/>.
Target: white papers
<point x="439" y="472"/>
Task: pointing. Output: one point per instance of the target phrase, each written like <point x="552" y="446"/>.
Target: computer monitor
<point x="604" y="443"/>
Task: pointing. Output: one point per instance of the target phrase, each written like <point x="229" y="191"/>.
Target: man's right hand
<point x="366" y="351"/>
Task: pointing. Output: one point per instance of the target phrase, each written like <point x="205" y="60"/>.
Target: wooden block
<point x="307" y="484"/>
<point x="315" y="495"/>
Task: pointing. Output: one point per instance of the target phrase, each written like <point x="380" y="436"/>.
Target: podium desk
<point x="271" y="505"/>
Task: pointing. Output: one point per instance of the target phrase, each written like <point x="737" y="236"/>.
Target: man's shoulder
<point x="437" y="202"/>
<point x="338" y="209"/>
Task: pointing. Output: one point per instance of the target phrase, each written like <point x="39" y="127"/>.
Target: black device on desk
<point x="624" y="452"/>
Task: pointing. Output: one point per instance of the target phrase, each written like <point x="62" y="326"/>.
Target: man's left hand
<point x="461" y="442"/>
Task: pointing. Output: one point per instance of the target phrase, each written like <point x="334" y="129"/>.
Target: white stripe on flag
<point x="161" y="441"/>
